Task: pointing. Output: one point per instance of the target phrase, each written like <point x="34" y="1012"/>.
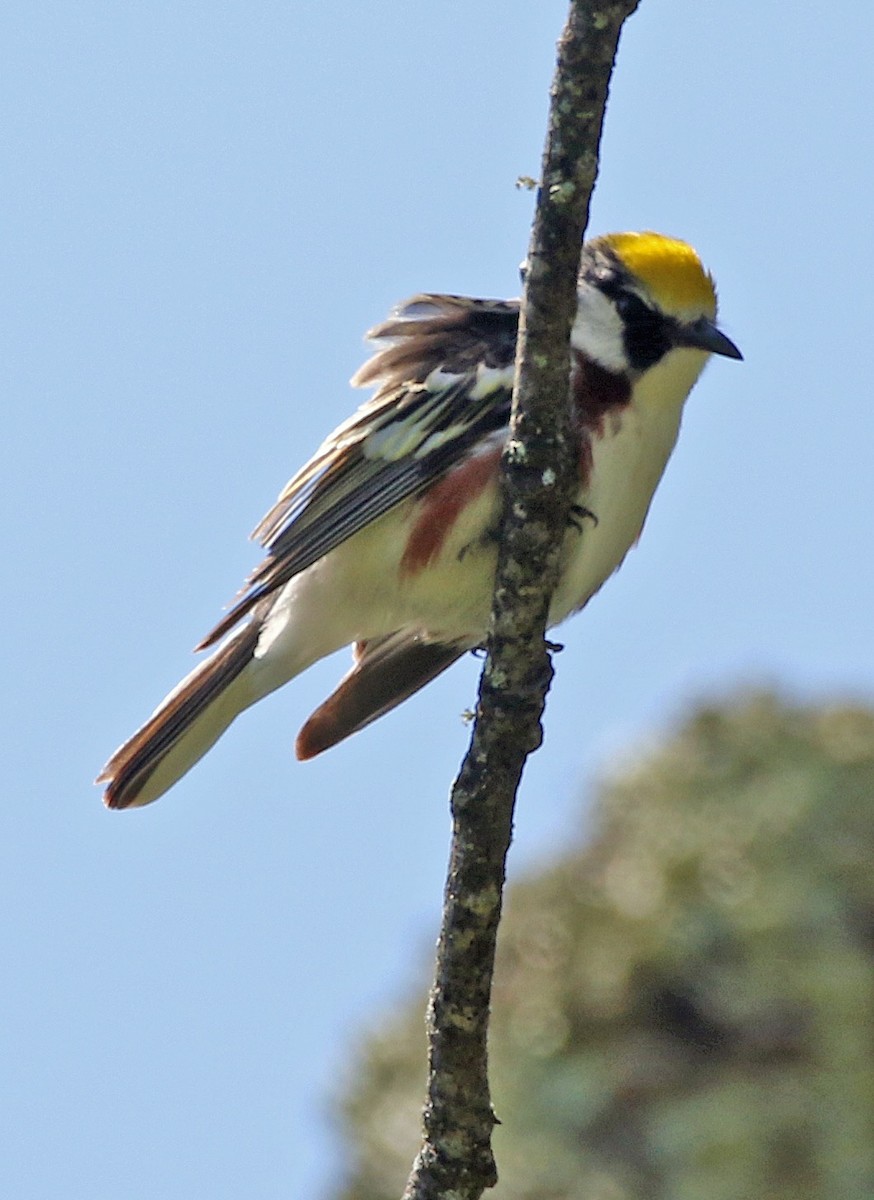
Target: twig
<point x="455" y="1161"/>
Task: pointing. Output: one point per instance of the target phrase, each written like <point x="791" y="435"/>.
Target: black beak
<point x="704" y="335"/>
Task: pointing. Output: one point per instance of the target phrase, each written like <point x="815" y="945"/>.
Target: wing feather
<point x="444" y="382"/>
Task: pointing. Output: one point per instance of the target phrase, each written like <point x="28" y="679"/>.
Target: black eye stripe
<point x="631" y="308"/>
<point x="647" y="333"/>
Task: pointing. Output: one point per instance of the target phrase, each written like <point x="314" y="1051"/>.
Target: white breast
<point x="359" y="590"/>
<point x="629" y="456"/>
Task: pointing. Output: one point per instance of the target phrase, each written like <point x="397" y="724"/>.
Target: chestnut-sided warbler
<point x="386" y="538"/>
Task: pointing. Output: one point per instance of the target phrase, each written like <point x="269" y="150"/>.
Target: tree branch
<point x="455" y="1161"/>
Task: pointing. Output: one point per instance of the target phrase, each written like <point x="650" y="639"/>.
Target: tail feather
<point x="387" y="670"/>
<point x="187" y="723"/>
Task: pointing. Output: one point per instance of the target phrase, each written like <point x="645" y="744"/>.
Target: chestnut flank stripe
<point x="440" y="508"/>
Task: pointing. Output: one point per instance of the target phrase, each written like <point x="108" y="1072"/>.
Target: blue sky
<point x="205" y="205"/>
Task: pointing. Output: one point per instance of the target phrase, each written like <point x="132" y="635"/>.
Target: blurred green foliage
<point x="684" y="1005"/>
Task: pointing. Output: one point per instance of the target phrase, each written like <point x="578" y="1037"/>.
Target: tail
<point x="185" y="725"/>
<point x="386" y="671"/>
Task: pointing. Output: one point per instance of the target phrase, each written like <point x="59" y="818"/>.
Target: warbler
<point x="386" y="538"/>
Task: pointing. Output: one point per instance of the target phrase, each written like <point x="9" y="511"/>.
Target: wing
<point x="444" y="381"/>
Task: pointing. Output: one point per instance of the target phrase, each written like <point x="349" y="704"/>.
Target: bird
<point x="386" y="539"/>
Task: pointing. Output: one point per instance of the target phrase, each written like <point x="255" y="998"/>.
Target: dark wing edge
<point x="132" y="765"/>
<point x="405" y="437"/>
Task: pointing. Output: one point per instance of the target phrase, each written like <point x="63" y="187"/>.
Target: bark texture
<point x="455" y="1161"/>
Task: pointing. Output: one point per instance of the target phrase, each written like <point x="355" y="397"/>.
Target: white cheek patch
<point x="597" y="329"/>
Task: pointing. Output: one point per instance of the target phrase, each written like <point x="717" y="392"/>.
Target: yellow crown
<point x="669" y="269"/>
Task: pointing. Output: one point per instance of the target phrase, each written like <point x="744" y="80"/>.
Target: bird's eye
<point x="631" y="308"/>
<point x="646" y="333"/>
